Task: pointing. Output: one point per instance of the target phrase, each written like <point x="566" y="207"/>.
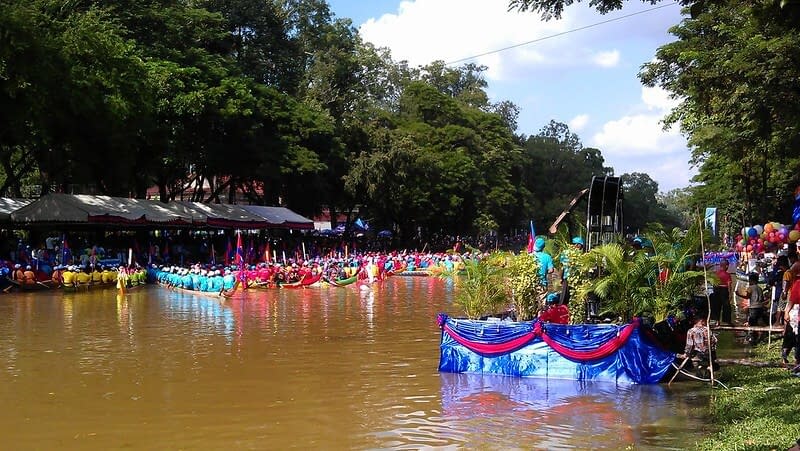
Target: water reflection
<point x="559" y="414"/>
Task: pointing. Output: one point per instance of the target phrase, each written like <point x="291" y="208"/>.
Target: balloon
<point x="771" y="235"/>
<point x="782" y="237"/>
<point x="752" y="232"/>
<point x="794" y="235"/>
<point x="768" y="227"/>
<point x="749" y="248"/>
<point x="759" y="229"/>
<point x="783" y="230"/>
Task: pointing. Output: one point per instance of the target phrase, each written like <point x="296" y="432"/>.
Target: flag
<point x="65" y="253"/>
<point x="239" y="259"/>
<point x="361" y="224"/>
<point x="531" y="239"/>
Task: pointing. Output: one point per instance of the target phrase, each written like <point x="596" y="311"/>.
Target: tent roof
<point x="9" y="205"/>
<point x="222" y="215"/>
<point x="281" y="217"/>
<point x="83" y="208"/>
<point x="119" y="211"/>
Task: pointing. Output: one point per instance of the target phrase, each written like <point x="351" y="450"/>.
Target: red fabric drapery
<point x="604" y="350"/>
<point x="485" y="348"/>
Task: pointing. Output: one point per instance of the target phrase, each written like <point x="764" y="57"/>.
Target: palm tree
<point x="677" y="281"/>
<point x="624" y="280"/>
<point x="481" y="290"/>
<point x="635" y="282"/>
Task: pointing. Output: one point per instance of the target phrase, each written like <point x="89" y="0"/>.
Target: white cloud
<point x="422" y="31"/>
<point x="639" y="143"/>
<point x="639" y="134"/>
<point x="606" y="59"/>
<point x="578" y="122"/>
<point x="656" y="98"/>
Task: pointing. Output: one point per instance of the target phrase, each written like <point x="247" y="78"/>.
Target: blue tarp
<point x="636" y="361"/>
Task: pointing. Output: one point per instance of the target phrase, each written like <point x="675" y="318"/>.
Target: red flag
<point x="531" y="239"/>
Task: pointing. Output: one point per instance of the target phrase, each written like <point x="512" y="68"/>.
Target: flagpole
<point x="304" y="250"/>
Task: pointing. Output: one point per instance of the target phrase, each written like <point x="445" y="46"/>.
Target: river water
<point x="330" y="368"/>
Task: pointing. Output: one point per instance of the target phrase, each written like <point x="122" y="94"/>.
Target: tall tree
<point x="733" y="66"/>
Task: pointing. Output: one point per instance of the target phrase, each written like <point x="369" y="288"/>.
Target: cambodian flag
<point x="239" y="259"/>
<point x="531" y="239"/>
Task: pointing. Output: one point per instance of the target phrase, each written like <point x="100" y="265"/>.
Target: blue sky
<point x="585" y="78"/>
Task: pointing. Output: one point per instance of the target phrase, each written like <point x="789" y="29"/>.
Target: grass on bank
<point x="759" y="411"/>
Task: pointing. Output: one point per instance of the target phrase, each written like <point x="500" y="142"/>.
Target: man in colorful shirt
<point x="697" y="342"/>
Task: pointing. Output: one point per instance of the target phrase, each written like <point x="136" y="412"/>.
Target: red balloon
<point x="749" y="248"/>
<point x="781" y="237"/>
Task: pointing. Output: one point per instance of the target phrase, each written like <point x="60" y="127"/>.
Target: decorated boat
<point x="305" y="282"/>
<point x="414" y="273"/>
<point x="343" y="282"/>
<point x="586" y="352"/>
<point x="224" y="294"/>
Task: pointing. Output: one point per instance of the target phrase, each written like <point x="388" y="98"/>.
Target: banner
<point x="711" y="219"/>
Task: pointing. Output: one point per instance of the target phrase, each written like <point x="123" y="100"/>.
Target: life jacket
<point x="57" y="277"/>
<point x="30" y="277"/>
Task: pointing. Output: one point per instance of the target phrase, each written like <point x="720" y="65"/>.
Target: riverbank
<point x="758" y="411"/>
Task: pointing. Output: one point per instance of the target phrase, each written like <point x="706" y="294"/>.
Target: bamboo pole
<point x="708" y="299"/>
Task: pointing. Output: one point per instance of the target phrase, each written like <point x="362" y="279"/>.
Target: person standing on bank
<point x="791" y="314"/>
<point x="721" y="303"/>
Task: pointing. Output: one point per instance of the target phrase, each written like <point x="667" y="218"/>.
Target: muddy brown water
<point x="324" y="368"/>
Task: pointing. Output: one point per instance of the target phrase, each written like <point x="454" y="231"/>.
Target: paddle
<point x="679" y="369"/>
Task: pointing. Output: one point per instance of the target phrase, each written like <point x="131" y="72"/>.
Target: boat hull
<point x="608" y="353"/>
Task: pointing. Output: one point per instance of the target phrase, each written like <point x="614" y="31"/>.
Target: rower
<point x="29" y="277"/>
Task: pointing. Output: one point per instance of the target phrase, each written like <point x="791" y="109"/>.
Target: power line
<point x="558" y="34"/>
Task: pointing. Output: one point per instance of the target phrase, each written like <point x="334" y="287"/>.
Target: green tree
<point x="557" y="155"/>
<point x="732" y="65"/>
